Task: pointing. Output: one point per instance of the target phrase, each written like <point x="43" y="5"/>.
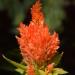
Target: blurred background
<point x="60" y="17"/>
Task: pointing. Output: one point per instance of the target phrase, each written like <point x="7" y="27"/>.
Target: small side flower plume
<point x="49" y="68"/>
<point x="37" y="44"/>
<point x="30" y="70"/>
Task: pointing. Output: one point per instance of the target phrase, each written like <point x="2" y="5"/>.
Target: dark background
<point x="67" y="38"/>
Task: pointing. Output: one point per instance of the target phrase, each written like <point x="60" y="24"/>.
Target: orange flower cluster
<point x="37" y="44"/>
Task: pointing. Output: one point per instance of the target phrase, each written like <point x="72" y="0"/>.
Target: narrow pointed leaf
<point x="57" y="58"/>
<point x="21" y="71"/>
<point x="15" y="63"/>
<point x="60" y="71"/>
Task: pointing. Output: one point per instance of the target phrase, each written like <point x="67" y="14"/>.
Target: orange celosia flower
<point x="37" y="44"/>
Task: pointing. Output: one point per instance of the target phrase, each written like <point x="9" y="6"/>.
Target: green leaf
<point x="57" y="58"/>
<point x="42" y="72"/>
<point x="55" y="73"/>
<point x="50" y="74"/>
<point x="21" y="71"/>
<point x="59" y="71"/>
<point x="15" y="63"/>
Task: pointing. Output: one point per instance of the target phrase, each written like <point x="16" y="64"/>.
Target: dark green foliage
<point x="53" y="11"/>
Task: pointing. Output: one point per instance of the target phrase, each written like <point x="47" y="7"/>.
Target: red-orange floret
<point x="30" y="70"/>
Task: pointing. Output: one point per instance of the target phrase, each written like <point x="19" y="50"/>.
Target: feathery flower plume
<point x="37" y="44"/>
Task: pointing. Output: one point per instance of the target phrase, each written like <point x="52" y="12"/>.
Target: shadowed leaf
<point x="57" y="58"/>
<point x="14" y="63"/>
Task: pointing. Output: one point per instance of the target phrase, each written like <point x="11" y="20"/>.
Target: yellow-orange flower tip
<point x="49" y="68"/>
